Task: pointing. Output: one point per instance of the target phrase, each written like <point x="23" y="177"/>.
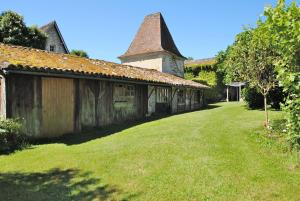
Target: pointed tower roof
<point x="152" y="36"/>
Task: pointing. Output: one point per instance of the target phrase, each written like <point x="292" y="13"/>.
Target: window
<point x="197" y="96"/>
<point x="181" y="96"/>
<point x="123" y="93"/>
<point x="52" y="48"/>
<point x="162" y="95"/>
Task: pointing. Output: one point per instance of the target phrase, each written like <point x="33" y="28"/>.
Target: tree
<point x="80" y="53"/>
<point x="37" y="39"/>
<point x="189" y="58"/>
<point x="284" y="22"/>
<point x="251" y="58"/>
<point x="14" y="31"/>
<point x="269" y="55"/>
<point x="221" y="67"/>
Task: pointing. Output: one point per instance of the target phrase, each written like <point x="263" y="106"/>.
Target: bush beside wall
<point x="11" y="137"/>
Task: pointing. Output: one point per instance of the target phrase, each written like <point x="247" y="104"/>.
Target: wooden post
<point x="227" y="94"/>
<point x="240" y="90"/>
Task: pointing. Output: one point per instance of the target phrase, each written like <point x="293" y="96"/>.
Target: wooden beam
<point x="154" y="88"/>
<point x="176" y="89"/>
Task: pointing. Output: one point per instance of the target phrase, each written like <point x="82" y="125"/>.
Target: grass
<point x="213" y="154"/>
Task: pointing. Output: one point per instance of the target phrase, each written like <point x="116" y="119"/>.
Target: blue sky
<point x="105" y="29"/>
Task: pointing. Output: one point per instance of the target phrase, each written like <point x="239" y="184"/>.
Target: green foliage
<point x="188" y="75"/>
<point x="269" y="55"/>
<point x="37" y="38"/>
<point x="276" y="97"/>
<point x="80" y="53"/>
<point x="10" y="135"/>
<point x="208" y="75"/>
<point x="254" y="99"/>
<point x="251" y="59"/>
<point x="14" y="31"/>
<point x="284" y="23"/>
<point x="221" y="67"/>
<point x="196" y="68"/>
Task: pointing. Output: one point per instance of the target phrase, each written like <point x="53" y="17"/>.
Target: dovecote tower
<point x="153" y="47"/>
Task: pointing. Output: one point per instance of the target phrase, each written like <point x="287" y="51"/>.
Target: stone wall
<point x="173" y="65"/>
<point x="160" y="61"/>
<point x="149" y="61"/>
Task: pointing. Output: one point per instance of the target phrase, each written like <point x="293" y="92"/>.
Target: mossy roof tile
<point x="29" y="59"/>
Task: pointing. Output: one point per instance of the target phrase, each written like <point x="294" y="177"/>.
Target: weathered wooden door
<point x="58" y="106"/>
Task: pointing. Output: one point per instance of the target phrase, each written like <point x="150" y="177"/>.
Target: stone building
<point x="153" y="48"/>
<point x="55" y="41"/>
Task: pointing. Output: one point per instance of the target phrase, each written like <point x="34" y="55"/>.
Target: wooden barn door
<point x="58" y="106"/>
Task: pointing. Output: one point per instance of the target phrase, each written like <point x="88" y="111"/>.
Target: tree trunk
<point x="266" y="111"/>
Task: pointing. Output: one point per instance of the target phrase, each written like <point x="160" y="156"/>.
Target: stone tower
<point x="153" y="48"/>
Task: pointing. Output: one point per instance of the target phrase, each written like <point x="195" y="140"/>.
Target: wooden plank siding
<point x="57" y="106"/>
<point x="23" y="94"/>
<point x="52" y="106"/>
<point x="163" y="100"/>
<point x="98" y="107"/>
<point x="95" y="103"/>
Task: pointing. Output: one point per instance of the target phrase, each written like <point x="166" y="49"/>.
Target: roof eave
<point x="151" y="52"/>
<point x="10" y="68"/>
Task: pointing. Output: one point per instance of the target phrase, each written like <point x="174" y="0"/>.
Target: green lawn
<point x="213" y="154"/>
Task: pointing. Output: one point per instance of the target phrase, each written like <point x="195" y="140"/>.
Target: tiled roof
<point x="152" y="36"/>
<point x="34" y="60"/>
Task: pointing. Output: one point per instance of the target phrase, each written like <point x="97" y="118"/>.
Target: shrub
<point x="252" y="98"/>
<point x="276" y="97"/>
<point x="188" y="76"/>
<point x="255" y="100"/>
<point x="11" y="137"/>
<point x="80" y="53"/>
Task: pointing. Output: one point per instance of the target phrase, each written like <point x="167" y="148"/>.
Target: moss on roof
<point x="28" y="59"/>
<point x="200" y="63"/>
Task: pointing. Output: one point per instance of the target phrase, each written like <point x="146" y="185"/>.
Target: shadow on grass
<point x="56" y="185"/>
<point x="210" y="107"/>
<point x="261" y="108"/>
<point x="91" y="134"/>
